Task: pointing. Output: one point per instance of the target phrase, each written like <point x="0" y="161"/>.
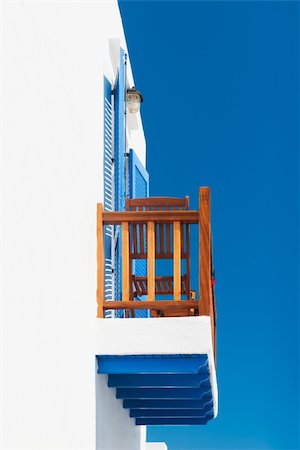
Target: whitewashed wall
<point x="156" y="446"/>
<point x="54" y="56"/>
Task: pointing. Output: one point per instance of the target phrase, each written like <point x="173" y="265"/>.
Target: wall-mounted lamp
<point x="133" y="99"/>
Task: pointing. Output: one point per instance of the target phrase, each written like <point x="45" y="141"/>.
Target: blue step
<point x="154" y="380"/>
<point x="171" y="421"/>
<point x="202" y="413"/>
<point x="115" y="364"/>
<point x="180" y="393"/>
<point x="167" y="404"/>
<point x="161" y="389"/>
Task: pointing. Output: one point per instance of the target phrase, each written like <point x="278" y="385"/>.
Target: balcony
<point x="163" y="367"/>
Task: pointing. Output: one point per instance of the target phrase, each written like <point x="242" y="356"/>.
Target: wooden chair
<point x="163" y="246"/>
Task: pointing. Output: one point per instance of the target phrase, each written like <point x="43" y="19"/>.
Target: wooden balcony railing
<point x="155" y="227"/>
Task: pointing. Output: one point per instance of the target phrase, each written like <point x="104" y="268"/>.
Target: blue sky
<point x="219" y="81"/>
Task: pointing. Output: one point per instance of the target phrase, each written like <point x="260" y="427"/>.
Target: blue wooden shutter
<point x="138" y="187"/>
<point x="119" y="148"/>
<point x="119" y="171"/>
<point x="108" y="195"/>
<point x="138" y="177"/>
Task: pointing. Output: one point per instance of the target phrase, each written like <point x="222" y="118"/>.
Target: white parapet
<point x="174" y="335"/>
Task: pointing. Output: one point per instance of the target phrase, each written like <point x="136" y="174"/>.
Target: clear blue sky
<point x="219" y="81"/>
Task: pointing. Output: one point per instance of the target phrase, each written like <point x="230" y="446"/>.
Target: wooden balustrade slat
<point x="151" y="259"/>
<point x="177" y="259"/>
<point x="125" y="262"/>
<point x="142" y="240"/>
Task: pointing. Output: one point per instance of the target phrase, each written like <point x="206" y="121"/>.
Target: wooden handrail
<point x="155" y="305"/>
<point x="117" y="217"/>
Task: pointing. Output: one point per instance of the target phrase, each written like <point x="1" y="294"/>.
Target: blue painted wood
<point x="119" y="171"/>
<point x="139" y="177"/>
<point x="161" y="380"/>
<point x="152" y="364"/>
<point x="161" y="389"/>
<point x="119" y="148"/>
<point x="178" y="393"/>
<point x="172" y="421"/>
<point x="108" y="194"/>
<point x="108" y="151"/>
<point x="167" y="404"/>
<point x="201" y="413"/>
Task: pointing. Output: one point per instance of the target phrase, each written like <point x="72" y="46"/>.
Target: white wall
<point x="156" y="446"/>
<point x="53" y="56"/>
<point x="115" y="430"/>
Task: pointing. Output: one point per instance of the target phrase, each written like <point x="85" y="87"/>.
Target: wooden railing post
<point x="125" y="261"/>
<point x="205" y="289"/>
<point x="206" y="305"/>
<point x="151" y="259"/>
<point x="100" y="262"/>
<point x="177" y="259"/>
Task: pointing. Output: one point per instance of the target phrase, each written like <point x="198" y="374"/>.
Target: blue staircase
<point x="161" y="389"/>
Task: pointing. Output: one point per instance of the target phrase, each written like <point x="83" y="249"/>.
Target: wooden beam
<point x="205" y="287"/>
<point x="177" y="259"/>
<point x="100" y="261"/>
<point x="125" y="262"/>
<point x="116" y="217"/>
<point x="153" y="305"/>
<point x="151" y="259"/>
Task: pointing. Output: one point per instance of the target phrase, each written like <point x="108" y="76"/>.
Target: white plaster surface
<point x="166" y="335"/>
<point x="156" y="446"/>
<point x="53" y="58"/>
<point x="110" y="413"/>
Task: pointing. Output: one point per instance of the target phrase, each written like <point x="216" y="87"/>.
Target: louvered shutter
<point x="138" y="187"/>
<point x="108" y="195"/>
<point x="119" y="135"/>
<point x="119" y="171"/>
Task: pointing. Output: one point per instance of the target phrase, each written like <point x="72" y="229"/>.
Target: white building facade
<point x="55" y="57"/>
<point x="69" y="145"/>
